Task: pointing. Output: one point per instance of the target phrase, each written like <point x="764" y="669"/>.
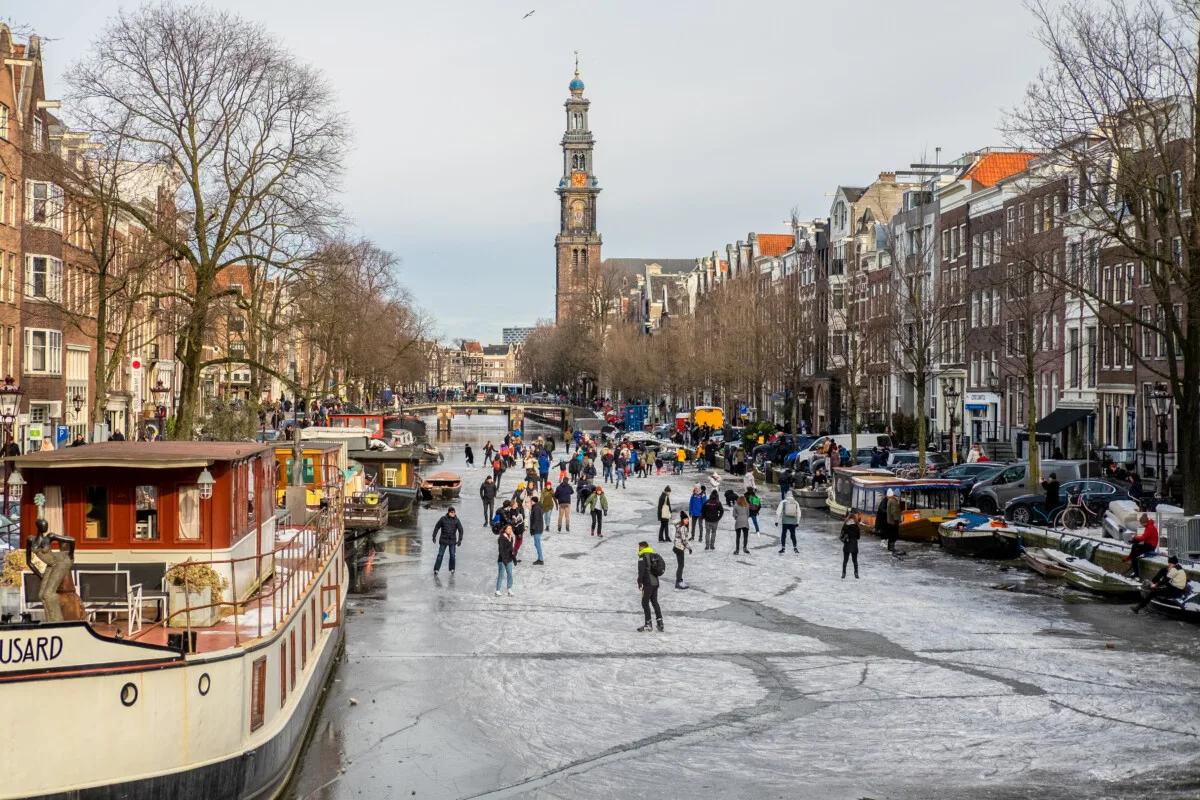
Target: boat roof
<point x="307" y="444"/>
<point x="892" y="482"/>
<point x="142" y="455"/>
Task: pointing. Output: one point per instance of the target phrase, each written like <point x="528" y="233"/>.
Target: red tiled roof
<point x="775" y="244"/>
<point x="994" y="167"/>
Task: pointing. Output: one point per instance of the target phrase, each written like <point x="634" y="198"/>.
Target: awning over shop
<point x="1060" y="419"/>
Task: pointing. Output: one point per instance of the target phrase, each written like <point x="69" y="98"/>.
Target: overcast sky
<point x="712" y="118"/>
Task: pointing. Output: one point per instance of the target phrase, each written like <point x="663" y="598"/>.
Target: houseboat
<point x="841" y="487"/>
<point x="214" y="697"/>
<point x="388" y="470"/>
<point x="926" y="503"/>
<point x="372" y="422"/>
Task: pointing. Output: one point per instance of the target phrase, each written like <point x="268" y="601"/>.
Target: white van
<point x="865" y="442"/>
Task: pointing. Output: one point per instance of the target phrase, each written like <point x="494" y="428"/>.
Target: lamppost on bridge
<point x="159" y="391"/>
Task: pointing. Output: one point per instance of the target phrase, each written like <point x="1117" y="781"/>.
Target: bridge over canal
<point x="562" y="416"/>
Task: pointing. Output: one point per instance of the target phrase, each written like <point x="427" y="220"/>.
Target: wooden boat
<point x="392" y="473"/>
<point x="441" y="486"/>
<point x="977" y="536"/>
<point x="1109" y="584"/>
<point x="1037" y="560"/>
<point x="811" y="498"/>
<point x="926" y="503"/>
<point x="839" y="495"/>
<point x="1084" y="574"/>
<point x="365" y="512"/>
<point x="215" y="698"/>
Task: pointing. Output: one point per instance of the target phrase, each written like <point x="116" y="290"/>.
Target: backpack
<point x="755" y="501"/>
<point x="658" y="567"/>
<point x="497" y="522"/>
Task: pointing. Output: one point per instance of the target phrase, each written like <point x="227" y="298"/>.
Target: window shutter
<point x="54" y="213"/>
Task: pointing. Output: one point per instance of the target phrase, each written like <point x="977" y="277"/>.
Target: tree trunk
<point x="189" y="360"/>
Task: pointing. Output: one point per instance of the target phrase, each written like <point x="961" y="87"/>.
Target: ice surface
<point x="775" y="677"/>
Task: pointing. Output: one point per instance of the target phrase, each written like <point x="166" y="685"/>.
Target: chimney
<point x="887" y="177"/>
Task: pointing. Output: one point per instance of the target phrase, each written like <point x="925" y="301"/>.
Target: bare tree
<point x="1115" y="110"/>
<point x="250" y="132"/>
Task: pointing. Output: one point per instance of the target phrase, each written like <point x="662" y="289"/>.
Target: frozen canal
<point x="929" y="677"/>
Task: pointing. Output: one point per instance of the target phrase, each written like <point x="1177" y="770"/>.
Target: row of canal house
<point x="47" y="275"/>
<point x="992" y="234"/>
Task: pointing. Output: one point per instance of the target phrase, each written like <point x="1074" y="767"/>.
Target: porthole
<point x="204" y="685"/>
<point x="129" y="695"/>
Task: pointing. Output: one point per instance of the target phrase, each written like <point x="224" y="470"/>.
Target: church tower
<point x="577" y="246"/>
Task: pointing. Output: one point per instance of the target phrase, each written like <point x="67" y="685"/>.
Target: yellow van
<point x="712" y="416"/>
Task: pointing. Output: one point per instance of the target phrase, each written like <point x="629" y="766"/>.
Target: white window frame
<point x="53" y="281"/>
<point x="3" y="121"/>
<point x="53" y="357"/>
<point x="53" y="212"/>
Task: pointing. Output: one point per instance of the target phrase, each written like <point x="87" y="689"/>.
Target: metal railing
<point x="295" y="566"/>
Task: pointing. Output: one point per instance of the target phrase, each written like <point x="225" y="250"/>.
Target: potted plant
<point x="194" y="586"/>
<point x="10" y="581"/>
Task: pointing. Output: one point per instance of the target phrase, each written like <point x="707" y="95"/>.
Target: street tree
<point x="1115" y="110"/>
<point x="249" y="131"/>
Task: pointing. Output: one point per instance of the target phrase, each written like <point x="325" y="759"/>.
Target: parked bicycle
<point x="1076" y="514"/>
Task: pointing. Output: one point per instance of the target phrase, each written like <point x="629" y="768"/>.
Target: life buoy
<point x="371" y="499"/>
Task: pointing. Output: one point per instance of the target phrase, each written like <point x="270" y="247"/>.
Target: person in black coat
<point x="664" y="514"/>
<point x="537" y="524"/>
<point x="850" y="535"/>
<point x="711" y="511"/>
<point x="505" y="559"/>
<point x="447" y="533"/>
<point x="487" y="493"/>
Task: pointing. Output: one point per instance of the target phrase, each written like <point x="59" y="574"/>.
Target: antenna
<point x="576" y="63"/>
<point x="937" y="151"/>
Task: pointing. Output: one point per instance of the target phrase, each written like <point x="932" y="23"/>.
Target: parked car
<point x="934" y="462"/>
<point x="991" y="495"/>
<point x="968" y="475"/>
<point x="806" y="454"/>
<point x="1097" y="494"/>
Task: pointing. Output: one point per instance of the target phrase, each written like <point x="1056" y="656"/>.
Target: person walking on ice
<point x="682" y="545"/>
<point x="447" y="534"/>
<point x="597" y="504"/>
<point x="788" y="516"/>
<point x="650" y="567"/>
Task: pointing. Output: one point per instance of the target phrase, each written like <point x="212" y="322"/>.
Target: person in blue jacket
<point x="695" y="506"/>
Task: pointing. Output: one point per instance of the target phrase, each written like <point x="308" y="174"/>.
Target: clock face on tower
<point x="578" y="178"/>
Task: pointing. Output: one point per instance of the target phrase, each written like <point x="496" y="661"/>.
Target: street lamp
<point x="951" y="395"/>
<point x="77" y="404"/>
<point x="1161" y="401"/>
<point x="10" y="406"/>
<point x="159" y="391"/>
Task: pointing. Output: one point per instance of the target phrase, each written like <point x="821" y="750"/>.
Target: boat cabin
<point x="926" y="503"/>
<point x="141" y="507"/>
<point x="372" y="422"/>
<point x="841" y="490"/>
<point x="394" y="473"/>
<point x="319" y="460"/>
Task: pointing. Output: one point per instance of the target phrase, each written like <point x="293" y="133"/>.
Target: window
<point x="95" y="517"/>
<point x="962" y="239"/>
<point x="1092" y="360"/>
<point x="43" y="352"/>
<point x="283" y="660"/>
<point x="3" y="121"/>
<point x="995" y="306"/>
<point x="3" y="198"/>
<point x="1010" y="224"/>
<point x="258" y="693"/>
<point x="43" y="278"/>
<point x="945" y="245"/>
<point x="43" y="204"/>
<point x="1176" y="187"/>
<point x="1177" y="252"/>
<point x="292" y="662"/>
<point x="39" y="133"/>
<point x="189" y="512"/>
<point x="145" y="503"/>
<point x="1053" y="212"/>
<point x="1073" y="363"/>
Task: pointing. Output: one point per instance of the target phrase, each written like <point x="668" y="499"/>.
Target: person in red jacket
<point x="1145" y="543"/>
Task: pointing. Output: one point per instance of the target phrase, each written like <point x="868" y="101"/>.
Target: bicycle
<point x="1076" y="514"/>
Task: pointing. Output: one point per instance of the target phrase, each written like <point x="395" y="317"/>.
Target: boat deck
<point x="299" y="558"/>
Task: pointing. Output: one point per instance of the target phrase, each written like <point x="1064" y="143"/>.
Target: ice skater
<point x="650" y="567"/>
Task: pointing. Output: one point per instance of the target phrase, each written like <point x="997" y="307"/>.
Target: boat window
<point x="304" y="641"/>
<point x="189" y="512"/>
<point x="250" y="487"/>
<point x="96" y="515"/>
<point x="53" y="509"/>
<point x="145" y="501"/>
<point x="283" y="689"/>
<point x="258" y="693"/>
<point x="292" y="662"/>
<point x="308" y="469"/>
